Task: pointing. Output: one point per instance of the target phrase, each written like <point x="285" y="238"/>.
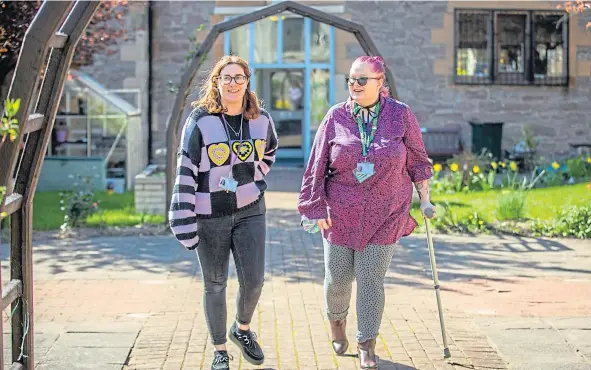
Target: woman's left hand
<point x="428" y="209"/>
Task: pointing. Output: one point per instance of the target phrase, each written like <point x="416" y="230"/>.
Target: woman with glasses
<point x="357" y="190"/>
<point x="227" y="147"/>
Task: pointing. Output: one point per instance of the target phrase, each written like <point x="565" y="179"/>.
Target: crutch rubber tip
<point x="446" y="353"/>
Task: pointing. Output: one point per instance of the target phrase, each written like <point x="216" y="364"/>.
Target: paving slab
<point x="68" y="365"/>
<point x="92" y="340"/>
<point x="533" y="343"/>
<point x="88" y="356"/>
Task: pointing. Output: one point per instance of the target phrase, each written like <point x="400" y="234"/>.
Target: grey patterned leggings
<point x="342" y="266"/>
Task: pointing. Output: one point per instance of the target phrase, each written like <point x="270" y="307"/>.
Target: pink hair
<point x="378" y="66"/>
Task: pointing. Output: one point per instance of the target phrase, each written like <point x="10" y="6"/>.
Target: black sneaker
<point x="221" y="360"/>
<point x="247" y="342"/>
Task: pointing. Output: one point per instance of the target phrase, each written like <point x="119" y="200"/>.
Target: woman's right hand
<point x="324" y="224"/>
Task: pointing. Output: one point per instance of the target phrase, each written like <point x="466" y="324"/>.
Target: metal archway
<point x="47" y="50"/>
<point x="172" y="138"/>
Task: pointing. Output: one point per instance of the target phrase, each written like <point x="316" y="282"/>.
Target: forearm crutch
<point x="429" y="213"/>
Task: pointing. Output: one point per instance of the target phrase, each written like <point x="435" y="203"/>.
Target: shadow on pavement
<point x="298" y="256"/>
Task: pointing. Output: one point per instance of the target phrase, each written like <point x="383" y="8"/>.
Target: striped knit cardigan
<point x="206" y="154"/>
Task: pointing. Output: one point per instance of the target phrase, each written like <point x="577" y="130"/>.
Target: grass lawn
<point x="114" y="210"/>
<point x="543" y="203"/>
<point x="118" y="209"/>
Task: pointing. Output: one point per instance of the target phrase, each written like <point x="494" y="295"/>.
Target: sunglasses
<point x="226" y="79"/>
<point x="362" y="81"/>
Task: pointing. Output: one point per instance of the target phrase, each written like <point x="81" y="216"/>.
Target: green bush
<point x="2" y="192"/>
<point x="512" y="206"/>
<point x="78" y="204"/>
<point x="554" y="179"/>
<point x="8" y="129"/>
<point x="572" y="221"/>
<point x="578" y="168"/>
<point x="448" y="221"/>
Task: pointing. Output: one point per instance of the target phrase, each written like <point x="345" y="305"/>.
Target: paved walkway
<point x="136" y="303"/>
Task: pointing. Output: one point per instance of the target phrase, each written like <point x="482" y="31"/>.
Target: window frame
<point x="493" y="47"/>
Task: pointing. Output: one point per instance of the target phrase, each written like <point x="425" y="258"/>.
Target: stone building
<point x="453" y="61"/>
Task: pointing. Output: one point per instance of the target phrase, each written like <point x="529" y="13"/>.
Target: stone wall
<point x="150" y="194"/>
<point x="174" y="22"/>
<point x="127" y="68"/>
<point x="415" y="37"/>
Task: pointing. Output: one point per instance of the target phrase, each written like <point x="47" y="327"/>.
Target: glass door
<point x="282" y="91"/>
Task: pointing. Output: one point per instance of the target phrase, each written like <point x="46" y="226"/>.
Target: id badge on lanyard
<point x="228" y="184"/>
<point x="364" y="170"/>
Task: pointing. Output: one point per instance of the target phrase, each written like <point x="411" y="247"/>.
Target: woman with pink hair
<point x="357" y="190"/>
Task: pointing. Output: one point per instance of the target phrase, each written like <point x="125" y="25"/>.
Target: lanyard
<point x="365" y="138"/>
<point x="230" y="140"/>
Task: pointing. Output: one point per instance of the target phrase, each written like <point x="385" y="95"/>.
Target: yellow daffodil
<point x="476" y="169"/>
<point x="3" y="214"/>
<point x="454" y="167"/>
<point x="494" y="165"/>
<point x="502" y="164"/>
<point x="589" y="160"/>
<point x="481" y="222"/>
<point x="437" y="167"/>
<point x="513" y="166"/>
<point x="555" y="165"/>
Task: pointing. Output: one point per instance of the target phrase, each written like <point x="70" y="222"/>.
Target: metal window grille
<point x="510" y="47"/>
<point x="472" y="51"/>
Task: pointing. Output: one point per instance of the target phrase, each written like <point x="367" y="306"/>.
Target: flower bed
<point x="476" y="194"/>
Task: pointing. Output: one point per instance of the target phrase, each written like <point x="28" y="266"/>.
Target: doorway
<point x="292" y="59"/>
<point x="282" y="91"/>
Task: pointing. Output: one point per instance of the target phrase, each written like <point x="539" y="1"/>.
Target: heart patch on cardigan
<point x="218" y="153"/>
<point x="260" y="146"/>
<point x="242" y="151"/>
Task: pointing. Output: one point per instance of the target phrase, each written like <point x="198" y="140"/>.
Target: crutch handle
<point x="429" y="213"/>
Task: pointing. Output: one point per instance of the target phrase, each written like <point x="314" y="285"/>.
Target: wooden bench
<point x="581" y="147"/>
<point x="444" y="142"/>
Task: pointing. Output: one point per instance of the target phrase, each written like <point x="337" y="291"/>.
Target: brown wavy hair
<point x="210" y="98"/>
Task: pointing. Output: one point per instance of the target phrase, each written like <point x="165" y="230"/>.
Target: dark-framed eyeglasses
<point x="362" y="81"/>
<point x="227" y="79"/>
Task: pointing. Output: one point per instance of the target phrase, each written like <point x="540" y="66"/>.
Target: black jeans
<point x="242" y="233"/>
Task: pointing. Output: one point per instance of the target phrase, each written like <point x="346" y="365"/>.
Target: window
<point x="473" y="47"/>
<point x="320" y="48"/>
<point x="265" y="41"/>
<point x="511" y="47"/>
<point x="239" y="41"/>
<point x="293" y="40"/>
